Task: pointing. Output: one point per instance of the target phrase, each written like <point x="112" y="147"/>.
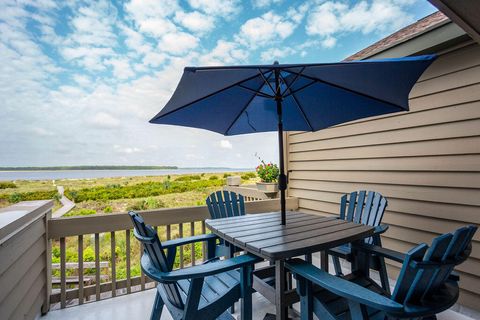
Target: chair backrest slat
<point x="224" y="204"/>
<point x="368" y="207"/>
<point x="359" y="207"/>
<point x="221" y="204"/>
<point x="351" y="205"/>
<point x="343" y="206"/>
<point x="155" y="252"/>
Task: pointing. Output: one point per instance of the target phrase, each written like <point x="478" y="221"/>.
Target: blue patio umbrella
<point x="234" y="100"/>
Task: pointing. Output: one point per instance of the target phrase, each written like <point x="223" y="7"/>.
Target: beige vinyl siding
<point x="426" y="162"/>
<point x="24" y="263"/>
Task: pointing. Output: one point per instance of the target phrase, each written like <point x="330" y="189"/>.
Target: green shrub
<point x="32" y="195"/>
<point x="226" y="175"/>
<point x="213" y="178"/>
<point x="147" y="204"/>
<point x="108" y="209"/>
<point x="188" y="178"/>
<point x="140" y="190"/>
<point x="88" y="254"/>
<point x="80" y="212"/>
<point x="7" y="185"/>
<point x="248" y="175"/>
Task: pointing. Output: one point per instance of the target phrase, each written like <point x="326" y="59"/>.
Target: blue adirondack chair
<point x="425" y="286"/>
<point x="201" y="292"/>
<point x="366" y="207"/>
<point x="225" y="204"/>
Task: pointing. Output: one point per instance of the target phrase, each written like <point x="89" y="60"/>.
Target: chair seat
<point x="214" y="287"/>
<point x="339" y="306"/>
<point x="343" y="251"/>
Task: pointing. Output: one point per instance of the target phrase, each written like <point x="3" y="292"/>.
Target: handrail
<point x="97" y="223"/>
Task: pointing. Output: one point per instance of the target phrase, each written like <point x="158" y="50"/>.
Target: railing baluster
<point x="114" y="269"/>
<point x="63" y="275"/>
<point x="169" y="231"/>
<point x="142" y="275"/>
<point x="80" y="269"/>
<point x="127" y="259"/>
<point x="97" y="266"/>
<point x="204" y="245"/>
<point x="180" y="235"/>
<point x="192" y="233"/>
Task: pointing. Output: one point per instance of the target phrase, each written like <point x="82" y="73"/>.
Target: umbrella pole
<point x="282" y="178"/>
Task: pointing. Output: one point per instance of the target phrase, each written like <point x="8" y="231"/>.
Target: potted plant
<point x="268" y="173"/>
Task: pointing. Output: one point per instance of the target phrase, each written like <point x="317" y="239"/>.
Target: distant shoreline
<point x="69" y="168"/>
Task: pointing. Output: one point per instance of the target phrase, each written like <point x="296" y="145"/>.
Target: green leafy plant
<point x="249" y="175"/>
<point x="268" y="172"/>
<point x="7" y="185"/>
<point x="213" y="178"/>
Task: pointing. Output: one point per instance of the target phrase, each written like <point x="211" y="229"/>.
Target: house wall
<point x="426" y="162"/>
<point x="24" y="260"/>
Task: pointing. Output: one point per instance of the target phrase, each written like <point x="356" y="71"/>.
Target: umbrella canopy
<point x="235" y="100"/>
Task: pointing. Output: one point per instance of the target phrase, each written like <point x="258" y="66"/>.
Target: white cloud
<point x="264" y="3"/>
<point x="226" y="9"/>
<point x="178" y="42"/>
<point x="195" y="21"/>
<point x="104" y="120"/>
<point x="127" y="150"/>
<point x="82" y="80"/>
<point x="273" y="54"/>
<point x="263" y="30"/>
<point x="93" y="38"/>
<point x="225" y="144"/>
<point x="225" y="52"/>
<point x="151" y="16"/>
<point x="121" y="68"/>
<point x="331" y="19"/>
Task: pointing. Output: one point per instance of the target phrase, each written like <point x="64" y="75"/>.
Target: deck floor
<point x="138" y="306"/>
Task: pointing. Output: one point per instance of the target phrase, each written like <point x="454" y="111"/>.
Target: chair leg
<point x="383" y="275"/>
<point x="157" y="308"/>
<point x="246" y="278"/>
<point x="337" y="266"/>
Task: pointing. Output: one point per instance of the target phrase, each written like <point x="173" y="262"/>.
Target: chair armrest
<point x="342" y="287"/>
<point x="381" y="229"/>
<point x="454" y="276"/>
<point x="380" y="251"/>
<point x="183" y="241"/>
<point x="199" y="271"/>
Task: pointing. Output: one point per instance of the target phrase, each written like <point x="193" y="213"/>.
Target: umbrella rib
<point x="205" y="97"/>
<point x="257" y="93"/>
<point x="243" y="109"/>
<point x="352" y="91"/>
<point x="299" y="89"/>
<point x="299" y="106"/>
<point x="266" y="81"/>
<point x="293" y="81"/>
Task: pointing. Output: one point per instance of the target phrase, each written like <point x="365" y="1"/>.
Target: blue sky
<point x="79" y="80"/>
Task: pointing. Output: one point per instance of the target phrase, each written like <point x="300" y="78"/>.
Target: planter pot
<point x="267" y="186"/>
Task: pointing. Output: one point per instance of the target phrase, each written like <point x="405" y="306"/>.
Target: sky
<point x="79" y="80"/>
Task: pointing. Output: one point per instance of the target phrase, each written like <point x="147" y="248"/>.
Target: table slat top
<point x="263" y="234"/>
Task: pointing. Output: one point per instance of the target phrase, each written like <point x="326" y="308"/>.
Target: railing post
<point x="48" y="269"/>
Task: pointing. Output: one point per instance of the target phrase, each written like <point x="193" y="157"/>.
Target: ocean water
<point x="89" y="174"/>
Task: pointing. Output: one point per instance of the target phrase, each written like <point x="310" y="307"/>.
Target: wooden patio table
<point x="304" y="233"/>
